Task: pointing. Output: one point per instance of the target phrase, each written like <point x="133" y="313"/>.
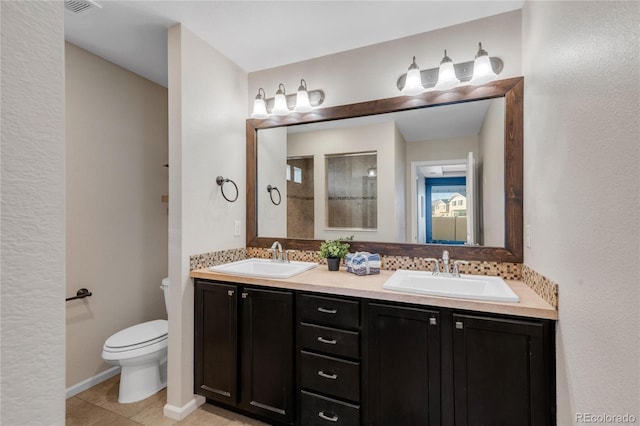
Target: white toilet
<point x="141" y="352"/>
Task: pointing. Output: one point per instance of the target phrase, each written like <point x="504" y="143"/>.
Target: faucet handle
<point x="456" y="273"/>
<point x="286" y="255"/>
<point x="274" y="254"/>
<point x="436" y="265"/>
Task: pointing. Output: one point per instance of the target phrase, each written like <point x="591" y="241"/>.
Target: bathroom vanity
<point x="321" y="348"/>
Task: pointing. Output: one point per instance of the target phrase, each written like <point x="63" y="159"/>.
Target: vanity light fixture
<point x="372" y="172"/>
<point x="482" y="70"/>
<point x="260" y="106"/>
<point x="302" y="98"/>
<point x="446" y="74"/>
<point x="280" y="102"/>
<point x="413" y="84"/>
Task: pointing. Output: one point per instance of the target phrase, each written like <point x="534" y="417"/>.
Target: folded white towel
<point x="363" y="263"/>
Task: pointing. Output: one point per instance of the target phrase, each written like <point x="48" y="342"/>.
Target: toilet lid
<point x="138" y="334"/>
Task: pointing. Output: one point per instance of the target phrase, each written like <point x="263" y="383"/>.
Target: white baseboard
<point x="179" y="413"/>
<point x="92" y="381"/>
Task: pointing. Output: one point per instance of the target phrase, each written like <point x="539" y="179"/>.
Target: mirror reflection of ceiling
<point x="444" y="122"/>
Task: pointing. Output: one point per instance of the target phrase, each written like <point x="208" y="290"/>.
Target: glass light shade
<point x="482" y="71"/>
<point x="259" y="109"/>
<point x="446" y="77"/>
<point x="302" y="101"/>
<point x="413" y="81"/>
<point x="280" y="103"/>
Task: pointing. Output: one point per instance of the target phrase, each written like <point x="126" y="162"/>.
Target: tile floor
<point x="99" y="406"/>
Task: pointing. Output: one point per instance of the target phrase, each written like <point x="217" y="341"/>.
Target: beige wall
<point x="371" y="72"/>
<point x="32" y="197"/>
<point x="442" y="149"/>
<point x="272" y="157"/>
<point x="207" y="111"/>
<point x="375" y="137"/>
<point x="581" y="102"/>
<point x="491" y="174"/>
<point x="116" y="223"/>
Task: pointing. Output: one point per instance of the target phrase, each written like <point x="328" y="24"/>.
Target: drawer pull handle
<point x="327" y="341"/>
<point x="327" y="311"/>
<point x="327" y="376"/>
<point x="323" y="416"/>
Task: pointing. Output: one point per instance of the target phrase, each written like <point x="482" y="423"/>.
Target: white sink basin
<point x="264" y="268"/>
<point x="477" y="287"/>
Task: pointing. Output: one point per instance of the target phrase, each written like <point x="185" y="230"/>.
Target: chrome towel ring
<point x="221" y="181"/>
<point x="271" y="190"/>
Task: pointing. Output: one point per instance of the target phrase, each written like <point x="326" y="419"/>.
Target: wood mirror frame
<point x="511" y="89"/>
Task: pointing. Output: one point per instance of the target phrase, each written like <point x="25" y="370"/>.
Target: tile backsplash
<point x="544" y="287"/>
<point x="214" y="258"/>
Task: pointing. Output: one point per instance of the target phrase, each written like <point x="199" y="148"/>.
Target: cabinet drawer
<point x="329" y="311"/>
<point x="316" y="410"/>
<point x="331" y="376"/>
<point x="329" y="340"/>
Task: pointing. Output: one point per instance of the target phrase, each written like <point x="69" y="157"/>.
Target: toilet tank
<point x="165" y="288"/>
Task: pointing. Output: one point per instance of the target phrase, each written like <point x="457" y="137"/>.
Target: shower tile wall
<point x="352" y="194"/>
<point x="300" y="201"/>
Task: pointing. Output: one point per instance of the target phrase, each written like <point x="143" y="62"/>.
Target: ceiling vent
<point x="81" y="7"/>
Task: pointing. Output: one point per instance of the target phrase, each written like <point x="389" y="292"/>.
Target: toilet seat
<point x="137" y="337"/>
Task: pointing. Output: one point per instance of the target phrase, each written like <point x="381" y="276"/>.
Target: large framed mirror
<point x="291" y="143"/>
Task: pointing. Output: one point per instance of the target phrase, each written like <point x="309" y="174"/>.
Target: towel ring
<point x="270" y="190"/>
<point x="221" y="181"/>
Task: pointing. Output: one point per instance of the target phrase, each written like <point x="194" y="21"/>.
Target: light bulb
<point x="482" y="69"/>
<point x="259" y="106"/>
<point x="280" y="102"/>
<point x="413" y="81"/>
<point x="302" y="98"/>
<point x="447" y="78"/>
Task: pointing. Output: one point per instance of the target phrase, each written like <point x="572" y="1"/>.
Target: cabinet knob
<point x="433" y="321"/>
<point x="459" y="325"/>
<point x="327" y="376"/>
<point x="323" y="416"/>
<point x="244" y="295"/>
<point x="327" y="341"/>
<point x="230" y="292"/>
<point x="327" y="311"/>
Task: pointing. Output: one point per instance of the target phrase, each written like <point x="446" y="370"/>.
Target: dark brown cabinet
<point x="429" y="367"/>
<point x="404" y="366"/>
<point x="366" y="362"/>
<point x="502" y="372"/>
<point x="329" y="378"/>
<point x="244" y="348"/>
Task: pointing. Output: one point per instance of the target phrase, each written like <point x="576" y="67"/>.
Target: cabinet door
<point x="216" y="341"/>
<point x="267" y="354"/>
<point x="403" y="361"/>
<point x="499" y="376"/>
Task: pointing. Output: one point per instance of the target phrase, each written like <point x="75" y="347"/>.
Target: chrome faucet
<point x="446" y="270"/>
<point x="436" y="266"/>
<point x="445" y="262"/>
<point x="276" y="248"/>
<point x="456" y="272"/>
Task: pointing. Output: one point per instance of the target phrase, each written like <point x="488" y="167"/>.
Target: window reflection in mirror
<point x="352" y="190"/>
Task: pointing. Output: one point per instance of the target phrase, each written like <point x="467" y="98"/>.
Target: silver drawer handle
<point x="327" y="311"/>
<point x="323" y="416"/>
<point x="327" y="341"/>
<point x="327" y="376"/>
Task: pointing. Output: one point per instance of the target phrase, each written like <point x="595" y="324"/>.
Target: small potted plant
<point x="334" y="250"/>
